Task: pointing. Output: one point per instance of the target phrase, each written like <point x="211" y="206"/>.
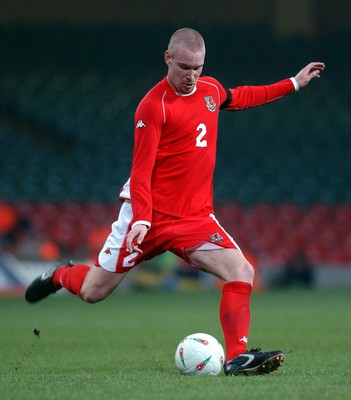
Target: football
<point x="199" y="354"/>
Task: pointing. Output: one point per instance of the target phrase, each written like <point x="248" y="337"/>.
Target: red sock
<point x="71" y="278"/>
<point x="235" y="317"/>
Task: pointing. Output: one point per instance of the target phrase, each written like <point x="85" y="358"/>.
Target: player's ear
<point x="168" y="57"/>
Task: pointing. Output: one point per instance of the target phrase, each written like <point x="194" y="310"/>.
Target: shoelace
<point x="257" y="350"/>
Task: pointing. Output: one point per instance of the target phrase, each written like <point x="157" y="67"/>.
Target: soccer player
<point x="167" y="202"/>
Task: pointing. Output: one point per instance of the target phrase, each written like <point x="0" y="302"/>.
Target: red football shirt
<point x="175" y="145"/>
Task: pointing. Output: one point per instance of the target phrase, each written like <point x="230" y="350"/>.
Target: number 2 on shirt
<point x="200" y="141"/>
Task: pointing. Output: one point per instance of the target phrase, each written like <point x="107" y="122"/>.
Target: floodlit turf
<point x="123" y="348"/>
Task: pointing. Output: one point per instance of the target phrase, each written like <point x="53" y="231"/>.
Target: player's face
<point x="184" y="69"/>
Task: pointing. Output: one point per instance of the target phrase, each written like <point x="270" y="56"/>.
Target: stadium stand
<point x="67" y="98"/>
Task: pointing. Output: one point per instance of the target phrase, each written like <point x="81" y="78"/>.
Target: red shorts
<point x="177" y="235"/>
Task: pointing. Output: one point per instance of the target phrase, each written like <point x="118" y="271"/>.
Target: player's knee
<point x="93" y="295"/>
<point x="250" y="272"/>
<point x="244" y="272"/>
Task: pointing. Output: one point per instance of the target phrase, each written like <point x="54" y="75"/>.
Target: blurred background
<point x="71" y="76"/>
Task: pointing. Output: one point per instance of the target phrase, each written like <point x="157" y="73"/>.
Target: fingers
<point x="316" y="69"/>
<point x="319" y="65"/>
<point x="134" y="238"/>
<point x="133" y="245"/>
<point x="312" y="70"/>
<point x="135" y="249"/>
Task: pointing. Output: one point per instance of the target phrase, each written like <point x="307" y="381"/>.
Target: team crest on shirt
<point x="210" y="103"/>
<point x="216" y="238"/>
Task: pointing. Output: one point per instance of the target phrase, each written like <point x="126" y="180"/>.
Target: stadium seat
<point x="66" y="124"/>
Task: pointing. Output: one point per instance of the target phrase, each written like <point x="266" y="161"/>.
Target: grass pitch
<point x="123" y="348"/>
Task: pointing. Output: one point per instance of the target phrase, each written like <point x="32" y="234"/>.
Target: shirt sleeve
<point x="244" y="97"/>
<point x="148" y="124"/>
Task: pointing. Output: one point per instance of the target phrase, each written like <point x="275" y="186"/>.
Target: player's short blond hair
<point x="187" y="37"/>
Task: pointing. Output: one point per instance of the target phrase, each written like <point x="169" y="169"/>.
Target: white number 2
<point x="127" y="261"/>
<point x="200" y="141"/>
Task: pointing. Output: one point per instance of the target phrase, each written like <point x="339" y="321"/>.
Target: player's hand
<point x="311" y="71"/>
<point x="135" y="237"/>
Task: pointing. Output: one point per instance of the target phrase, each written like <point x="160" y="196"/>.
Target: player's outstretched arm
<point x="312" y="70"/>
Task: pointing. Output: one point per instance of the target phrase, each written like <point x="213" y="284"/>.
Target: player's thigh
<point x="227" y="264"/>
<point x="99" y="283"/>
<point x="115" y="257"/>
